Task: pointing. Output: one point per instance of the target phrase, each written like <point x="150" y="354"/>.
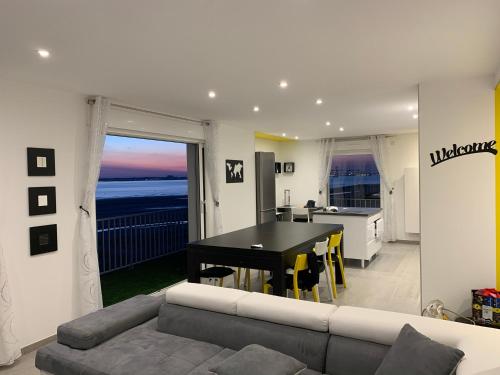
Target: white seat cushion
<point x="291" y="312"/>
<point x="207" y="297"/>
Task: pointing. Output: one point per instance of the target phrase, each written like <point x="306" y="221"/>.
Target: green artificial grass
<point x="143" y="278"/>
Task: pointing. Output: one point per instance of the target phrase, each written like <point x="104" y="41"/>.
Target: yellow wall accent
<point x="271" y="137"/>
<point x="497" y="177"/>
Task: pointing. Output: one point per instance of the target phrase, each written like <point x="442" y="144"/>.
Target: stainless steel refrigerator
<point x="266" y="187"/>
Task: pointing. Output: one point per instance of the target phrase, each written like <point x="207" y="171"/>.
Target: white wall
<point x="238" y="200"/>
<point x="458" y="196"/>
<point x="41" y="286"/>
<point x="402" y="153"/>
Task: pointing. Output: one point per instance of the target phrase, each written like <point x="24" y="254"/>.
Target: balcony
<point x="141" y="253"/>
<point x="354" y="202"/>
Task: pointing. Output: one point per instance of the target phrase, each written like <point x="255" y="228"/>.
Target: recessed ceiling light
<point x="296" y="137"/>
<point x="283" y="134"/>
<point x="415" y="116"/>
<point x="212" y="94"/>
<point x="328" y="123"/>
<point x="130" y="121"/>
<point x="319" y="101"/>
<point x="341" y="129"/>
<point x="410" y="108"/>
<point x="256" y="109"/>
<point x="43" y="53"/>
<point x="283" y="84"/>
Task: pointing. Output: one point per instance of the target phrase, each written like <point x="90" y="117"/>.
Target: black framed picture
<point x="43" y="239"/>
<point x="41" y="161"/>
<point x="277" y="167"/>
<point x="289" y="167"/>
<point x="234" y="171"/>
<point x="42" y="200"/>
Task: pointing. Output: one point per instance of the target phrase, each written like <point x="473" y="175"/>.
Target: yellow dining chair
<point x="334" y="251"/>
<point x="300" y="279"/>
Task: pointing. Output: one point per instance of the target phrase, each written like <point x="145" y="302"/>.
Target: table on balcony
<point x="281" y="241"/>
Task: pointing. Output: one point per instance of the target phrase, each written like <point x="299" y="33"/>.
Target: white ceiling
<point x="363" y="57"/>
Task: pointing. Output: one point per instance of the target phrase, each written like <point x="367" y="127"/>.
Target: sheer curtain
<point x="327" y="148"/>
<point x="378" y="148"/>
<point x="90" y="297"/>
<point x="212" y="169"/>
<point x="9" y="346"/>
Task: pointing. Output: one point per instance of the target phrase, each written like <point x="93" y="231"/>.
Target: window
<point x="354" y="181"/>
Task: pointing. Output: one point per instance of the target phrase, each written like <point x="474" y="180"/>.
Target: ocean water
<point x="143" y="188"/>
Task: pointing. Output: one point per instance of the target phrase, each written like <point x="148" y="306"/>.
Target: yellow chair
<point x="334" y="247"/>
<point x="294" y="282"/>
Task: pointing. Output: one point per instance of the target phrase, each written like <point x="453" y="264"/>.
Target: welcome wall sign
<point x="440" y="156"/>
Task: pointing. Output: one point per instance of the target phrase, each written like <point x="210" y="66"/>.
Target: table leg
<point x="279" y="284"/>
<point x="193" y="267"/>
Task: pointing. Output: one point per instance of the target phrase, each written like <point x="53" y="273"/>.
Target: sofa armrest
<point x="93" y="329"/>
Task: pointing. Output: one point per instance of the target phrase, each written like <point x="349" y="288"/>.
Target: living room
<point x="246" y="78"/>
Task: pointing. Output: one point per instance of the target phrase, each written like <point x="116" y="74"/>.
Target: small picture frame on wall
<point x="289" y="167"/>
<point x="234" y="171"/>
<point x="41" y="161"/>
<point x="277" y="167"/>
<point x="43" y="239"/>
<point x="42" y="200"/>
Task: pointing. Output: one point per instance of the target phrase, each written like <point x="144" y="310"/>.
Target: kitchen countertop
<point x="351" y="211"/>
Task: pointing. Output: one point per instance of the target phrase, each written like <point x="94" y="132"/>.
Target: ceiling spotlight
<point x="319" y="101"/>
<point x="283" y="134"/>
<point x="341" y="129"/>
<point x="212" y="94"/>
<point x="410" y="108"/>
<point x="43" y="53"/>
<point x="296" y="137"/>
<point x="283" y="84"/>
<point x="328" y="123"/>
<point x="415" y="116"/>
<point x="256" y="109"/>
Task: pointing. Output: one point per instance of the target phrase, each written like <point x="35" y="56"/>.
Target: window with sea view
<point x="142" y="216"/>
<point x="354" y="181"/>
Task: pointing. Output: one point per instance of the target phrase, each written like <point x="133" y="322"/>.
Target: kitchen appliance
<point x="266" y="187"/>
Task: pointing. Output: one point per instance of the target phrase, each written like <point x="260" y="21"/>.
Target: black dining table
<point x="281" y="242"/>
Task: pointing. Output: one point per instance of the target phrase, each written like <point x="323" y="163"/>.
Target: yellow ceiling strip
<point x="271" y="137"/>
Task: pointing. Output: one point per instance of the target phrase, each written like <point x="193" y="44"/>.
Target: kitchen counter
<point x="363" y="228"/>
<point x="350" y="211"/>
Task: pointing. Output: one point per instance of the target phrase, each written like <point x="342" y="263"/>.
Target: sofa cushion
<point x="207" y="297"/>
<point x="95" y="328"/>
<point x="292" y="312"/>
<point x="415" y="354"/>
<point x="139" y="351"/>
<point x="347" y="356"/>
<point x="383" y="327"/>
<point x="236" y="332"/>
<point x="256" y="359"/>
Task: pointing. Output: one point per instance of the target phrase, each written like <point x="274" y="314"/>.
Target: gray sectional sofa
<point x="197" y="326"/>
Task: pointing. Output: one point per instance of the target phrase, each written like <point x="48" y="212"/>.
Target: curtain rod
<point x="136" y="109"/>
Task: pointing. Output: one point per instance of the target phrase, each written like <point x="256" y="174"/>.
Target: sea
<point x="140" y="188"/>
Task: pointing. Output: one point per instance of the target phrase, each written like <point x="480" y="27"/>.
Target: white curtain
<point x="9" y="346"/>
<point x="212" y="172"/>
<point x="90" y="297"/>
<point x="327" y="148"/>
<point x="378" y="148"/>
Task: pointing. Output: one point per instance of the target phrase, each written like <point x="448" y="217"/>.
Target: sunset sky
<point x="363" y="162"/>
<point x="133" y="157"/>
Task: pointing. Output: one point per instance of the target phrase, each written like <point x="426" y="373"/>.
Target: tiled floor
<point x="390" y="282"/>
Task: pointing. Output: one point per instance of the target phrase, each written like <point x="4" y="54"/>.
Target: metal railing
<point x="354" y="202"/>
<point x="123" y="241"/>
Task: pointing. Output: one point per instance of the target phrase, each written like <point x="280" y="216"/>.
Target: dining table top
<point x="273" y="236"/>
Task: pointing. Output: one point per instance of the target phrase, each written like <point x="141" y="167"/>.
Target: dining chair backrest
<point x="335" y="240"/>
<point x="321" y="248"/>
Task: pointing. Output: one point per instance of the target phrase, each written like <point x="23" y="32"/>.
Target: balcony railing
<point x="123" y="241"/>
<point x="354" y="202"/>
